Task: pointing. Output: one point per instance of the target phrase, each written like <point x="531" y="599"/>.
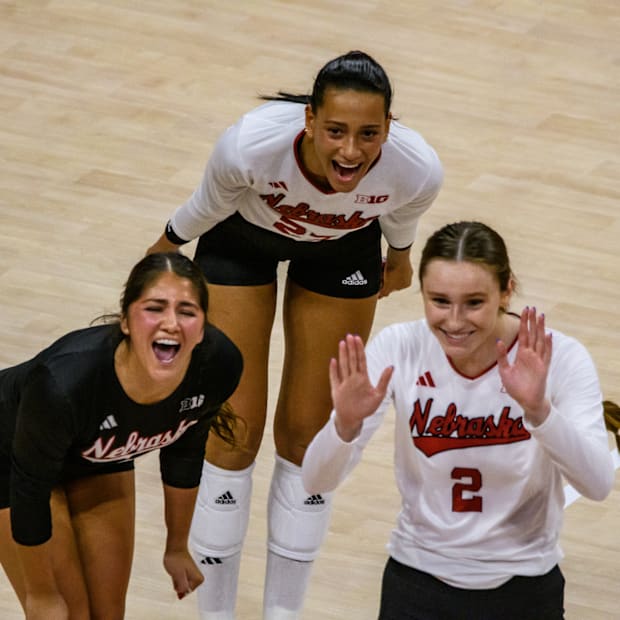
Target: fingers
<point x="188" y="583"/>
<point x="351" y="356"/>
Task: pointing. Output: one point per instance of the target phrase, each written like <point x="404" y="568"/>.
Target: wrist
<point x="346" y="432"/>
<point x="537" y="415"/>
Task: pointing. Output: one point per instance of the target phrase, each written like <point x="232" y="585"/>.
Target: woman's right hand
<point x="163" y="245"/>
<point x="353" y="395"/>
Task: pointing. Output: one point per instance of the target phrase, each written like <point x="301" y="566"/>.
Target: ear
<point x="388" y="121"/>
<point x="506" y="295"/>
<point x="124" y="325"/>
<point x="309" y="121"/>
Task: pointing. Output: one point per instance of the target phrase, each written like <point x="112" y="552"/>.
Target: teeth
<point x="351" y="166"/>
<point x="167" y="342"/>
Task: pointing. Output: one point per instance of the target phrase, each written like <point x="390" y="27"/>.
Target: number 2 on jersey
<point x="473" y="483"/>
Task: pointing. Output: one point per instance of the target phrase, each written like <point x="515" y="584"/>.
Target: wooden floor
<point x="110" y="108"/>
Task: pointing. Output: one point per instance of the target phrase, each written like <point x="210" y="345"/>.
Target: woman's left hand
<point x="397" y="271"/>
<point x="186" y="576"/>
<point x="526" y="379"/>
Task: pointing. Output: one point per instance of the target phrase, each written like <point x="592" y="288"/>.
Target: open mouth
<point x="345" y="173"/>
<point x="166" y="350"/>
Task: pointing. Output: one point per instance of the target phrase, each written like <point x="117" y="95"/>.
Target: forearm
<point x="583" y="458"/>
<point x="328" y="460"/>
<point x="179" y="509"/>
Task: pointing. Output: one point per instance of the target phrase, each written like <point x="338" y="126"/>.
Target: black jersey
<point x="64" y="414"/>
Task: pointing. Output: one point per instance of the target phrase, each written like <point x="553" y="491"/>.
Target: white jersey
<point x="255" y="170"/>
<point x="482" y="491"/>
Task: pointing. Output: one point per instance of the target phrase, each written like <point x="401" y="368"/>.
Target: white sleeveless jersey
<point x="255" y="170"/>
<point x="482" y="492"/>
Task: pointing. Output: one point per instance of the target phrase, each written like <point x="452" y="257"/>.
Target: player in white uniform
<point x="316" y="185"/>
<point x="492" y="413"/>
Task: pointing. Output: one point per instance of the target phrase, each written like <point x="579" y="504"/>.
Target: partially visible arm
<point x="397" y="271"/>
<point x="179" y="509"/>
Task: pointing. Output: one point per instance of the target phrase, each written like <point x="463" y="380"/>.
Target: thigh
<point x="245" y="314"/>
<point x="102" y="512"/>
<point x="313" y="326"/>
<point x="8" y="556"/>
<point x="66" y="562"/>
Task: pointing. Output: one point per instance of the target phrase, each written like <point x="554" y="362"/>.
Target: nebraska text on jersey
<point x="134" y="446"/>
<point x="452" y="430"/>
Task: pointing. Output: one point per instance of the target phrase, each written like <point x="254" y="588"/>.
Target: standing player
<point x="316" y="181"/>
<point x="492" y="412"/>
<point x="72" y="420"/>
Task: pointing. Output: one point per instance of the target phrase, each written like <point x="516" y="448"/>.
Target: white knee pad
<point x="222" y="511"/>
<point x="298" y="522"/>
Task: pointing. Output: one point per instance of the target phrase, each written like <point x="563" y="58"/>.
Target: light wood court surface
<point x="109" y="110"/>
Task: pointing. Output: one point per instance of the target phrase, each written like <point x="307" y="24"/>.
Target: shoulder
<point x="70" y="362"/>
<point x="567" y="349"/>
<point x="261" y="134"/>
<point x="401" y="337"/>
<point x="218" y="352"/>
<point x="269" y="124"/>
<point x="409" y="143"/>
<point x="408" y="157"/>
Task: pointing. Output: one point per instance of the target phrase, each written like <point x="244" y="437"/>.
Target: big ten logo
<point x="371" y="200"/>
<point x="192" y="402"/>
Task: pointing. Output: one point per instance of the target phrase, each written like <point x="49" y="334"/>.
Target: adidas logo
<point x="314" y="500"/>
<point x="108" y="423"/>
<point x="426" y="379"/>
<point x="226" y="498"/>
<point x="206" y="560"/>
<point x="355" y="279"/>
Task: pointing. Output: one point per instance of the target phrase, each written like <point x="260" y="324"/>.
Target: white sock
<point x="286" y="582"/>
<point x="217" y="595"/>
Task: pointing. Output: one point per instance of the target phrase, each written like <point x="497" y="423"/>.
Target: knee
<point x="298" y="522"/>
<point x="222" y="511"/>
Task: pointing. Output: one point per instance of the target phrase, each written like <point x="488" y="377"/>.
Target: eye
<point x="188" y="313"/>
<point x="440" y="301"/>
<point x="153" y="308"/>
<point x="334" y="131"/>
<point x="475" y="303"/>
<point x="370" y="134"/>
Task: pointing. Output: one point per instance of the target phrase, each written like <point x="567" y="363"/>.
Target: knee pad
<point x="297" y="522"/>
<point x="222" y="511"/>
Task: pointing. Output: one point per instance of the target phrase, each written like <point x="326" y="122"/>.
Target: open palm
<point x="526" y="378"/>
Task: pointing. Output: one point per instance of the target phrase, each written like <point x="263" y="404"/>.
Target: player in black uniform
<point x="73" y="418"/>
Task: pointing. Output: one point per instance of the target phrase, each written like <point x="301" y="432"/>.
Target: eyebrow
<point x="165" y="301"/>
<point x="343" y="124"/>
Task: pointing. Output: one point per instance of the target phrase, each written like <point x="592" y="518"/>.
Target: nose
<point x="169" y="320"/>
<point x="455" y="315"/>
<point x="350" y="149"/>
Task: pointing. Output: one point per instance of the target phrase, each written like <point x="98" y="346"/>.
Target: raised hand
<point x="353" y="395"/>
<point x="526" y="378"/>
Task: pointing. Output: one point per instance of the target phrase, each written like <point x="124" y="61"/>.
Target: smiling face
<point x="163" y="326"/>
<point x="464" y="306"/>
<point x="344" y="137"/>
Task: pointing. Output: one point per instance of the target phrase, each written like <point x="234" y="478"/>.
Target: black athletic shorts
<point x="238" y="253"/>
<point x="410" y="594"/>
